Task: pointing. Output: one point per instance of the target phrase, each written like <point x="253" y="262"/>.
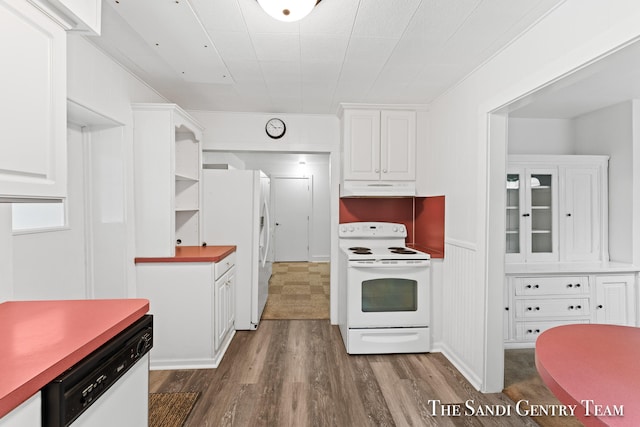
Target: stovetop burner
<point x="401" y="251"/>
<point x="359" y="250"/>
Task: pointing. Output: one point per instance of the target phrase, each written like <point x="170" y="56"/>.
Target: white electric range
<point x="383" y="290"/>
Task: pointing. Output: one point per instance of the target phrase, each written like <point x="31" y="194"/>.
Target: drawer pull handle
<point x="599" y="306"/>
<point x="577" y="285"/>
<point x="533" y="331"/>
<point x="569" y="285"/>
<point x="532" y="286"/>
<point x="570" y="307"/>
<point x="578" y="307"/>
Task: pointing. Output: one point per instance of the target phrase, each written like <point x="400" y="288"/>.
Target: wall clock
<point x="275" y="128"/>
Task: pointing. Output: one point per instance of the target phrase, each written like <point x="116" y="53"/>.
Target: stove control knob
<point x="351" y="228"/>
<point x="395" y="229"/>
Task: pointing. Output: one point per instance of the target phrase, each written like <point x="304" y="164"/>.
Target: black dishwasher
<point x="65" y="398"/>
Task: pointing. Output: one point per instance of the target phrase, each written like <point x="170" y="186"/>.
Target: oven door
<point x="388" y="294"/>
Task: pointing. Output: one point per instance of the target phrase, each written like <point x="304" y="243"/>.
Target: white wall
<point x="541" y="136"/>
<point x="52" y="265"/>
<point x="318" y="170"/>
<point x="470" y="172"/>
<point x="6" y="253"/>
<point x="610" y="131"/>
<point x="219" y="158"/>
<point x="306" y="133"/>
<point x="246" y="131"/>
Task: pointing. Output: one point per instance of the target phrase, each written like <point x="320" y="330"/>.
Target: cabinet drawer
<point x="224" y="265"/>
<point x="563" y="307"/>
<point x="563" y="285"/>
<point x="529" y="331"/>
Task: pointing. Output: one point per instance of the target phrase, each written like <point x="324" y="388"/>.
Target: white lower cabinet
<point x="193" y="307"/>
<point x="535" y="303"/>
<point x="29" y="413"/>
<point x="225" y="306"/>
<point x="615" y="300"/>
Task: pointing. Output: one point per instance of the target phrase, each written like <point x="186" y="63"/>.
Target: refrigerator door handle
<point x="267" y="229"/>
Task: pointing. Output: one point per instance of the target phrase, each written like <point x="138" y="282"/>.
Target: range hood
<point x="378" y="189"/>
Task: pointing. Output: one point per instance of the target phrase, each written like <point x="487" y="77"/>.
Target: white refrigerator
<point x="235" y="211"/>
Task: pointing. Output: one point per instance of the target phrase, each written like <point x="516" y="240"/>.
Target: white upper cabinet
<point x="532" y="225"/>
<point x="583" y="195"/>
<point x="379" y="145"/>
<point x="33" y="155"/>
<point x="398" y="145"/>
<point x="361" y="144"/>
<point x="167" y="179"/>
<point x="556" y="208"/>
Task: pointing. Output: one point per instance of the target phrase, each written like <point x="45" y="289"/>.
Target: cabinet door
<point x="614" y="302"/>
<point x="231" y="299"/>
<point x="515" y="236"/>
<point x="398" y="145"/>
<point x="540" y="216"/>
<point x="221" y="310"/>
<point x="361" y="145"/>
<point x="580" y="214"/>
<point x="33" y="156"/>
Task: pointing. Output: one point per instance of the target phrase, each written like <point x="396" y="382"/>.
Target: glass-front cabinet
<point x="531" y="217"/>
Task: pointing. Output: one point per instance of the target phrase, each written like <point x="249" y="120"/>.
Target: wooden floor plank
<point x="297" y="373"/>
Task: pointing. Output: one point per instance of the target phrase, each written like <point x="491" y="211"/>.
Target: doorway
<point x="291" y="200"/>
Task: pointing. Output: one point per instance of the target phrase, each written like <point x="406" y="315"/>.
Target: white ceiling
<point x="228" y="55"/>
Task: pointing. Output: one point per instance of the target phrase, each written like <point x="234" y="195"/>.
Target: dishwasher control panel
<point x="69" y="395"/>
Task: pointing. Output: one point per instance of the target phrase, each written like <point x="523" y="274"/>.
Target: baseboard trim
<point x="460" y="365"/>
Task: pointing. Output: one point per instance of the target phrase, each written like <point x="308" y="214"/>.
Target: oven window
<point x="381" y="295"/>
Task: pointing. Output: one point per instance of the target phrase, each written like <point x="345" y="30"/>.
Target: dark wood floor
<point x="297" y="373"/>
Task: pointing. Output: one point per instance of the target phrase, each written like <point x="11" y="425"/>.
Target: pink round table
<point x="597" y="368"/>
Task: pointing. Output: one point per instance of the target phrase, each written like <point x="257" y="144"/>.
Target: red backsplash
<point x="429" y="217"/>
<point x="423" y="217"/>
<point x="383" y="209"/>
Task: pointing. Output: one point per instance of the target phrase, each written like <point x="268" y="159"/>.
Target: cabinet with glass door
<point x="531" y="218"/>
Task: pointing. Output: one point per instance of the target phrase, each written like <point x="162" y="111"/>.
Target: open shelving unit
<point x="168" y="163"/>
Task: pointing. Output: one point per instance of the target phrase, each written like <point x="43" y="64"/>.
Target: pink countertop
<point x="39" y="340"/>
<point x="193" y="254"/>
<point x="595" y="367"/>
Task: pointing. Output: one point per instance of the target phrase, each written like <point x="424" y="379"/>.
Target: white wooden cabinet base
<point x="537" y="301"/>
<point x="193" y="308"/>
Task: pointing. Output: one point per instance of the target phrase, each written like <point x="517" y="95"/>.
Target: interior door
<point x="291" y="208"/>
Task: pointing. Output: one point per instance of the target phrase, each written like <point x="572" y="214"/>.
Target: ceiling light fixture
<point x="288" y="10"/>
